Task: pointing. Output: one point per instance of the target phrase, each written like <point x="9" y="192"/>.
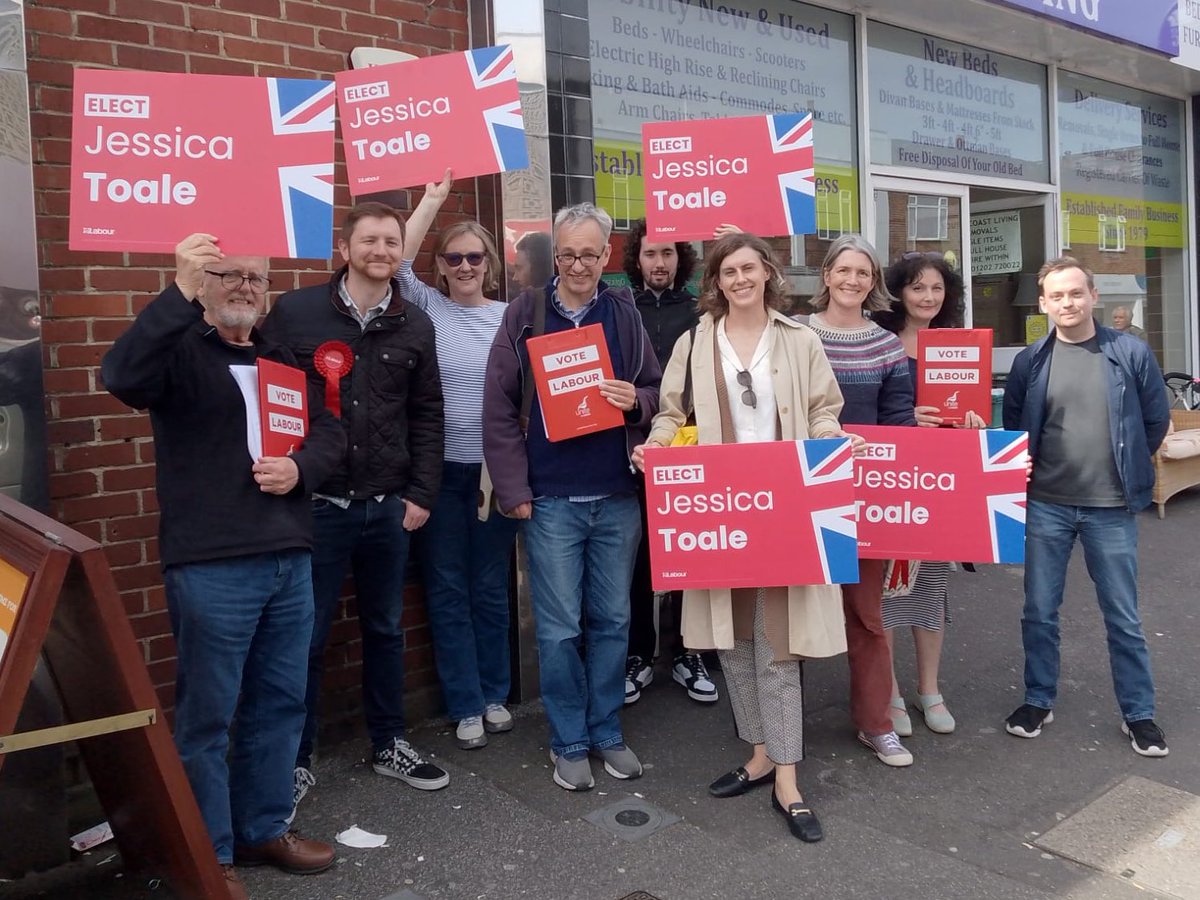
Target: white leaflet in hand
<point x="247" y="382"/>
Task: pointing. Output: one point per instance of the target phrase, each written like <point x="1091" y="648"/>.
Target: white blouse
<point x="750" y="424"/>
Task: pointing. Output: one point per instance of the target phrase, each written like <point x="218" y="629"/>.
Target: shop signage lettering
<point x="467" y="118"/>
<point x="156" y="156"/>
<point x="941" y="494"/>
<point x="751" y="515"/>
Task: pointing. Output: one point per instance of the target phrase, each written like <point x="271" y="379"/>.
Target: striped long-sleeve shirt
<point x="464" y="338"/>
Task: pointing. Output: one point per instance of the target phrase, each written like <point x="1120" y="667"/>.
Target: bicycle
<point x="1183" y="389"/>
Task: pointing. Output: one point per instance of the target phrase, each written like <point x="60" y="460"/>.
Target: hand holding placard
<point x="193" y="255"/>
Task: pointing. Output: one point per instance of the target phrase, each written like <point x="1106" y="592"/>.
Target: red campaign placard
<point x="941" y="494"/>
<point x="282" y="407"/>
<point x="755" y="172"/>
<point x="405" y="123"/>
<point x="157" y="156"/>
<point x="954" y="372"/>
<point x="766" y="514"/>
<point x="568" y="367"/>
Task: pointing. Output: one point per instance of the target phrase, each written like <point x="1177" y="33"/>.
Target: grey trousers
<point x="767" y="697"/>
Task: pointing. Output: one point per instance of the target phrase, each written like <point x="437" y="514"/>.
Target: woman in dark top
<point x="929" y="294"/>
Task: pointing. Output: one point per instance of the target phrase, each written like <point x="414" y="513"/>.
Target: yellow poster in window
<point x="12" y="592"/>
<point x="1037" y="327"/>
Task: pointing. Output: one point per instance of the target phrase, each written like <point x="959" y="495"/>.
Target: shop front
<point x="998" y="134"/>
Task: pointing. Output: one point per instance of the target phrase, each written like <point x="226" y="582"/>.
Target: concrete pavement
<point x="972" y="818"/>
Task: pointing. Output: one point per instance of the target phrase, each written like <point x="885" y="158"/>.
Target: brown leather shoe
<point x="290" y="852"/>
<point x="233" y="881"/>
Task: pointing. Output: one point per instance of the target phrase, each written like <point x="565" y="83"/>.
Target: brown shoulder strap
<point x="728" y="435"/>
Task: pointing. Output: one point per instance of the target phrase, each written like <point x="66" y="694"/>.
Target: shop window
<point x="1111" y="234"/>
<point x="1123" y="161"/>
<point x="659" y="61"/>
<point x="928" y="218"/>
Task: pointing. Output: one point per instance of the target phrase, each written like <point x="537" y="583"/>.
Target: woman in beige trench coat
<point x="756" y="375"/>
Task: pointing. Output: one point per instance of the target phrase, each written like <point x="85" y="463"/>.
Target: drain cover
<point x="639" y="895"/>
<point x="631" y="819"/>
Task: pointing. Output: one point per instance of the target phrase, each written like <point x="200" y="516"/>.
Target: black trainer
<point x="401" y="761"/>
<point x="1146" y="738"/>
<point x="1027" y="721"/>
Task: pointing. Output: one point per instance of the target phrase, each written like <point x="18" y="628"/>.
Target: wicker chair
<point x="1174" y="475"/>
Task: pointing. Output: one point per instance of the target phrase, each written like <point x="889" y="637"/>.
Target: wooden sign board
<point x="58" y="600"/>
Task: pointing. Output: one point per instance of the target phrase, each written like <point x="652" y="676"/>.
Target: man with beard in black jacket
<point x="659" y="273"/>
<point x="373" y="355"/>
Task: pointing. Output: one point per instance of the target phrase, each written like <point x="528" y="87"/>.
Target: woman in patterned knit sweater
<point x="872" y="370"/>
<point x="929" y="294"/>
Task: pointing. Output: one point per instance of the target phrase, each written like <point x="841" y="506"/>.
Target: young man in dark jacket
<point x="1094" y="404"/>
<point x="659" y="273"/>
<point x="577" y="497"/>
<point x="373" y="355"/>
<point x="235" y="535"/>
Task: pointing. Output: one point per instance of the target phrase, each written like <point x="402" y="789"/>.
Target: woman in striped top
<point x="870" y="367"/>
<point x="929" y="294"/>
<point x="464" y="561"/>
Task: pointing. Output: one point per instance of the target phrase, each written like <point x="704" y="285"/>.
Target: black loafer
<point x="801" y="821"/>
<point x="737" y="782"/>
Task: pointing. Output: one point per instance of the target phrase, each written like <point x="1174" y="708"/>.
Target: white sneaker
<point x="638" y="676"/>
<point x="497" y="718"/>
<point x="470" y="733"/>
<point x="689" y="670"/>
<point x="302" y="780"/>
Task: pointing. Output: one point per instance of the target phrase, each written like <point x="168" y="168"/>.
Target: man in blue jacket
<point x="1093" y="402"/>
<point x="578" y="497"/>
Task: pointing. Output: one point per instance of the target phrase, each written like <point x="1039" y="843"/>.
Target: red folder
<point x="954" y="372"/>
<point x="568" y="367"/>
<point x="282" y="407"/>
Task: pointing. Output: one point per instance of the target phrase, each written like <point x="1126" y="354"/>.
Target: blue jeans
<point x="1109" y="538"/>
<point x="369" y="539"/>
<point x="580" y="565"/>
<point x="242" y="625"/>
<point x="465" y="566"/>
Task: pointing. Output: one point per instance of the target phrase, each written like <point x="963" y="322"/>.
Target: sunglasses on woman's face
<point x="455" y="260"/>
<point x="748" y="396"/>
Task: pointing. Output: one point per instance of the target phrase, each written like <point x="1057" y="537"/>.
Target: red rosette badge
<point x="332" y="360"/>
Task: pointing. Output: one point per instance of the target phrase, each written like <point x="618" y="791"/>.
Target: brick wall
<point x="101" y="453"/>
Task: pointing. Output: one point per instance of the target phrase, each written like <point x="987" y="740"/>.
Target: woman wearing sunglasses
<point x="464" y="561"/>
<point x="871" y="368"/>
<point x="929" y="294"/>
<point x="756" y="375"/>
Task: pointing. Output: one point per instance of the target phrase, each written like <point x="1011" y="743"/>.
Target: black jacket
<point x="666" y="318"/>
<point x="391" y="402"/>
<point x="173" y="363"/>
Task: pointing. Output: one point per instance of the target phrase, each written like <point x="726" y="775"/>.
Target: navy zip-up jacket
<point x="1138" y="412"/>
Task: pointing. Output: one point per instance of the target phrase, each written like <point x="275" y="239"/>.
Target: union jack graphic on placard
<point x="507" y="131"/>
<point x="792" y="134"/>
<point x="825" y="459"/>
<point x="492" y="65"/>
<point x="1006" y="520"/>
<point x="1003" y="450"/>
<point x="299" y="105"/>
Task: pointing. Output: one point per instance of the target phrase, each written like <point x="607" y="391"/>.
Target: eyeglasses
<point x="455" y="260"/>
<point x="748" y="396"/>
<point x="232" y="281"/>
<point x="917" y="254"/>
<point x="567" y="260"/>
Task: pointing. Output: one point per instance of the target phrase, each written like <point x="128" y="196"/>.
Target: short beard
<point x="235" y="318"/>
